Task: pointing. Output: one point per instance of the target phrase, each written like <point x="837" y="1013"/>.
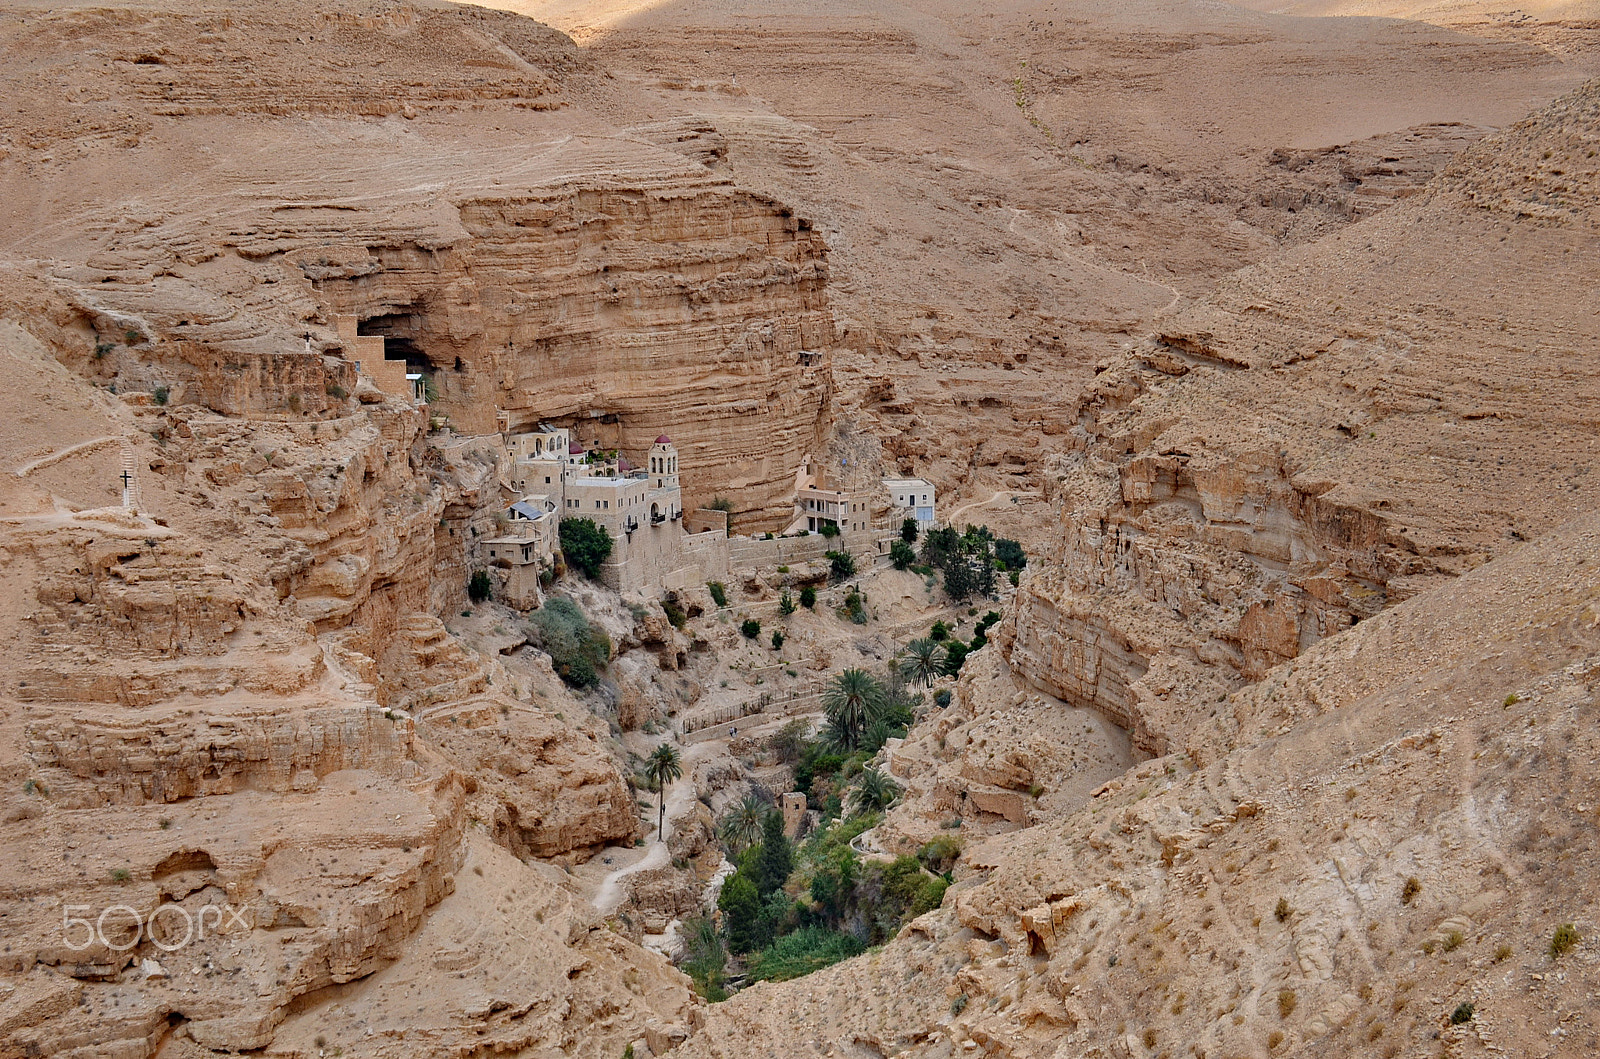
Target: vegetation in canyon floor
<point x="790" y="907"/>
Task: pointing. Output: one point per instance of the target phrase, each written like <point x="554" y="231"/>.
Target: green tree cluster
<point x="970" y="559"/>
<point x="585" y="544"/>
<point x="842" y="565"/>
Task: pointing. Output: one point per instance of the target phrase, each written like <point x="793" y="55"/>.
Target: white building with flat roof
<point x="641" y="508"/>
<point x="915" y="499"/>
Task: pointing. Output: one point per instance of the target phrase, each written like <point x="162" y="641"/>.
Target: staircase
<point x="132" y="501"/>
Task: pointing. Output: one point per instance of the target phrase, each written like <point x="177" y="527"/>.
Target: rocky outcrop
<point x="1332" y="883"/>
<point x="233" y="709"/>
<point x="1301" y="450"/>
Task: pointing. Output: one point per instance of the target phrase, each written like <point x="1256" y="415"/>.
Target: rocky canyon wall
<point x="623" y="313"/>
<point x="1301" y="450"/>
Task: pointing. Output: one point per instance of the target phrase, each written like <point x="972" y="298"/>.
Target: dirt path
<point x="950" y="519"/>
<point x="61" y="454"/>
<point x="610" y="894"/>
<point x="680" y="796"/>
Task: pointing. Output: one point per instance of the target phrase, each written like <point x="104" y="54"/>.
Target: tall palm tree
<point x="875" y="792"/>
<point x="854" y="698"/>
<point x="663" y="766"/>
<point x="741" y="827"/>
<point x="923" y="661"/>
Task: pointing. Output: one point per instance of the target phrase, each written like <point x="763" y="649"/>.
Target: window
<point x="547" y="479"/>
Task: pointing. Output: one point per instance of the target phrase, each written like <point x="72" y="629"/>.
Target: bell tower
<point x="663" y="464"/>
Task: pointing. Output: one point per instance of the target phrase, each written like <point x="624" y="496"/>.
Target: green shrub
<point x="842" y="564"/>
<point x="585" y="544"/>
<point x="719" y="593"/>
<point x="854" y="609"/>
<point x="1563" y="940"/>
<point x="786" y="604"/>
<point x="955" y="656"/>
<point x="806" y="950"/>
<point x="901" y="555"/>
<point x="1010" y="553"/>
<point x="829" y="530"/>
<point x="162" y="393"/>
<point x="941" y="698"/>
<point x="959" y="1004"/>
<point x="336" y="391"/>
<point x="479" y="587"/>
<point x="1463" y="1013"/>
<point x="940" y="854"/>
<point x="674" y="612"/>
<point x="750" y="628"/>
<point x="705" y="958"/>
<point x="777" y="639"/>
<point x="908" y="531"/>
<point x="939" y="633"/>
<point x="808" y="597"/>
<point x="578" y="650"/>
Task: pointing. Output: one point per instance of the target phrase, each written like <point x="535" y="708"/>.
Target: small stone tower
<point x="663" y="464"/>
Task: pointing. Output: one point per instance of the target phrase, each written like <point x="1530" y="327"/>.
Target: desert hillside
<point x="1257" y="720"/>
<point x="1250" y="891"/>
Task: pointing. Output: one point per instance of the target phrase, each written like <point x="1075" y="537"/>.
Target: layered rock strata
<point x="1303" y="448"/>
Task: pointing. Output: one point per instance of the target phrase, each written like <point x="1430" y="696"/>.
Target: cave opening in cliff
<point x="400" y="331"/>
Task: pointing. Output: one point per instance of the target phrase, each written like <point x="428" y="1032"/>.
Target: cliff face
<point x="1010" y="195"/>
<point x="537" y="262"/>
<point x="690" y="309"/>
<point x="1382" y="844"/>
<point x="237" y="706"/>
<point x="1302" y="449"/>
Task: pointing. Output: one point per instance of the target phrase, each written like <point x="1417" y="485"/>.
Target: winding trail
<point x="61" y="454"/>
<point x="609" y="895"/>
<point x="950" y="519"/>
<point x="680" y="796"/>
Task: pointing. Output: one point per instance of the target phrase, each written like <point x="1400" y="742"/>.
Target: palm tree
<point x="875" y="792"/>
<point x="851" y="702"/>
<point x="741" y="827"/>
<point x="663" y="766"/>
<point x="923" y="661"/>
